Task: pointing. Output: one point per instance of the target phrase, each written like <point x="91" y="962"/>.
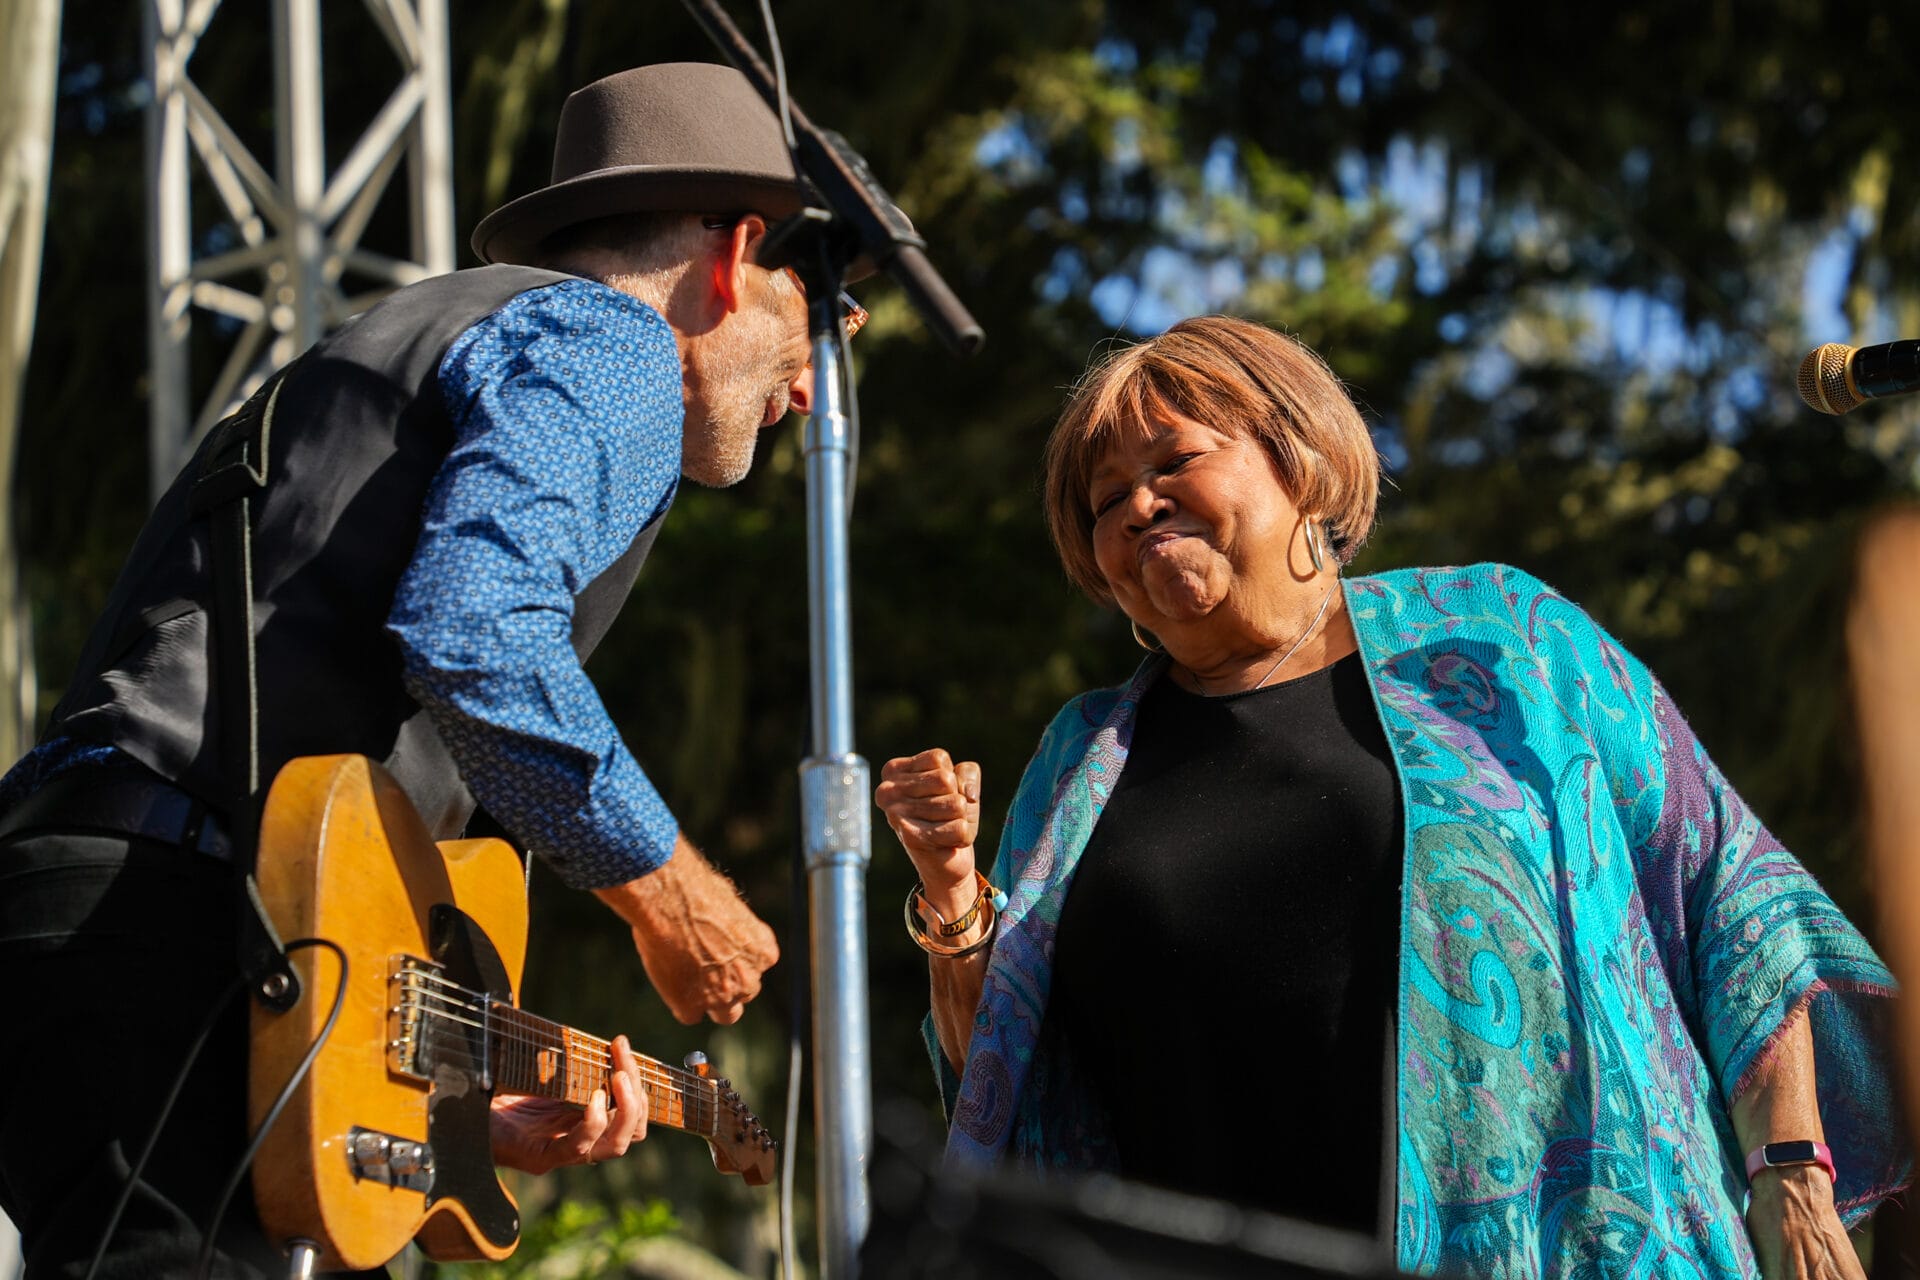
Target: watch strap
<point x="1776" y="1154"/>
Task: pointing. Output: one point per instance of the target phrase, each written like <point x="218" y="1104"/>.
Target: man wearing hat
<point x="461" y="485"/>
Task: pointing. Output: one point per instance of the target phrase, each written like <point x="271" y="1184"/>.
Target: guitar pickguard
<point x="457" y="1058"/>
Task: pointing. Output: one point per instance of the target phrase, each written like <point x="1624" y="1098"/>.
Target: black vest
<point x="358" y="433"/>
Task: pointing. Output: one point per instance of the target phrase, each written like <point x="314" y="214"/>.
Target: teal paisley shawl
<point x="1598" y="944"/>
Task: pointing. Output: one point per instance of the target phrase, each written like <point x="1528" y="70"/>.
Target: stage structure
<point x="295" y="230"/>
<point x="27" y="63"/>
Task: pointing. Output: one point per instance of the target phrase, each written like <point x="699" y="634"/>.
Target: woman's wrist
<point x="964" y="942"/>
<point x="1775" y="1179"/>
<point x="958" y="931"/>
<point x="950" y="898"/>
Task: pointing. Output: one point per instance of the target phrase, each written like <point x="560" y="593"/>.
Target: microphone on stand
<point x="1837" y="378"/>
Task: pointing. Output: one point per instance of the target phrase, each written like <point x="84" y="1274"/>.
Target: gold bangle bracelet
<point x="959" y="924"/>
<point x="990" y="899"/>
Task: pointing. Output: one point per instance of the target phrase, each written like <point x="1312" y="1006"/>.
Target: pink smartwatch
<point x="1775" y="1154"/>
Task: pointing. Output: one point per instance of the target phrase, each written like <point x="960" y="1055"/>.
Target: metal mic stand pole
<point x="859" y="217"/>
<point x="834" y="798"/>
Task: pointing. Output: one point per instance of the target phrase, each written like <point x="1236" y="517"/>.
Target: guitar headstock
<point x="741" y="1143"/>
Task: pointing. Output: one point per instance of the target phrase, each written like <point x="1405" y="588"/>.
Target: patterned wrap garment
<point x="1599" y="946"/>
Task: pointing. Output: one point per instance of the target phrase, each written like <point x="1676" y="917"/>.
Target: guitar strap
<point x="233" y="468"/>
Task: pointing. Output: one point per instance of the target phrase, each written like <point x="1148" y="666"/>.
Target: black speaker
<point x="931" y="1223"/>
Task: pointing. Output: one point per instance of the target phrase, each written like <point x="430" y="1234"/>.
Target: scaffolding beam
<point x="297" y="227"/>
<point x="27" y="66"/>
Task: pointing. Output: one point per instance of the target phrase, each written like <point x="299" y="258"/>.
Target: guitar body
<point x="344" y="857"/>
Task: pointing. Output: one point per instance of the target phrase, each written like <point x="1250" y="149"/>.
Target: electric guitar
<point x="386" y="1138"/>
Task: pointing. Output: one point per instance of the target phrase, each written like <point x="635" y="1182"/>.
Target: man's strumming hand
<point x="702" y="946"/>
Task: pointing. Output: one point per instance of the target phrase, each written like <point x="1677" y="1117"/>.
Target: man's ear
<point x="731" y="267"/>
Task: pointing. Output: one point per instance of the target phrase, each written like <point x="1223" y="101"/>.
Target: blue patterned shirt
<point x="566" y="409"/>
<point x="567" y="413"/>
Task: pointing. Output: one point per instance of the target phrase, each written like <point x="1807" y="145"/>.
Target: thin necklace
<point x="1295" y="647"/>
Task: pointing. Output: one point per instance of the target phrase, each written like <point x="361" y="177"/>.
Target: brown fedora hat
<point x="692" y="137"/>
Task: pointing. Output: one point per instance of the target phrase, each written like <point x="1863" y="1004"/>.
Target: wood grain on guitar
<point x="386" y="1140"/>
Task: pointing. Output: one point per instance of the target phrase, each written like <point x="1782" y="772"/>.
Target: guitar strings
<point x="704" y="1111"/>
<point x="588" y="1048"/>
<point x="698" y="1114"/>
<point x="486" y="1005"/>
<point x="672" y="1110"/>
<point x="598" y="1062"/>
<point x="489" y="1005"/>
<point x="495" y="1007"/>
<point x="506" y="1022"/>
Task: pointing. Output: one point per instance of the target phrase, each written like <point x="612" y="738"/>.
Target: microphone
<point x="1837" y="378"/>
<point x="841" y="177"/>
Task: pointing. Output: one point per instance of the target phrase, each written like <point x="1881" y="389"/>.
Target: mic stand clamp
<point x="800" y="240"/>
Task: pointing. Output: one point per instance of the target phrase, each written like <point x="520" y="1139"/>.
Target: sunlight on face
<point x="1188" y="517"/>
<point x="741" y="379"/>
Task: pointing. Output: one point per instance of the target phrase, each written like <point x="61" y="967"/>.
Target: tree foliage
<point x="1565" y="259"/>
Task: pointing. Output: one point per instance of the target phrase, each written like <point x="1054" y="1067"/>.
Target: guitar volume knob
<point x="409" y="1158"/>
<point x="371" y="1151"/>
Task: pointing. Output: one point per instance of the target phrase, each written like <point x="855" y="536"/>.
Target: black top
<point x="1227" y="952"/>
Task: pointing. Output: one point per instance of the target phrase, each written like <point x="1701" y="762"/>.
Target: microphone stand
<point x="835" y="785"/>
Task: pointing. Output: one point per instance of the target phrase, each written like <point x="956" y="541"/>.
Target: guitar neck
<point x="531" y="1055"/>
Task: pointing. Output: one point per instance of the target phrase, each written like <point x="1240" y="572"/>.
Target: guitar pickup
<point x="394" y="1162"/>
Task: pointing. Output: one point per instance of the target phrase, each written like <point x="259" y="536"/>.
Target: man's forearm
<point x="702" y="946"/>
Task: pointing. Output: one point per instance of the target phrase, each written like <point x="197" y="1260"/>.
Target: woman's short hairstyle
<point x="1227" y="373"/>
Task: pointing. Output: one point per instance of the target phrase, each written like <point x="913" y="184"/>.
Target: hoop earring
<point x="1140" y="638"/>
<point x="1314" y="552"/>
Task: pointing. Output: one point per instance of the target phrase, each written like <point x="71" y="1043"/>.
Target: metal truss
<point x="296" y="230"/>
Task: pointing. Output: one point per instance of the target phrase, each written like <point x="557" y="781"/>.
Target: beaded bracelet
<point x="990" y="899"/>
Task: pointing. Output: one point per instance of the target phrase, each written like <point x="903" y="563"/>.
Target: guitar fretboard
<point x="532" y="1055"/>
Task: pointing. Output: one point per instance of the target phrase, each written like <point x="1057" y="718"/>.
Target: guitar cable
<point x="173" y="1096"/>
<point x="166" y="1110"/>
<point x="203" y="1265"/>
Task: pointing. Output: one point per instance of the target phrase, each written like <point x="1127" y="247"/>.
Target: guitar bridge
<point x="410" y="981"/>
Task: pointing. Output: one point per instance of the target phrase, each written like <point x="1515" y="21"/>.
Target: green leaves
<point x="579" y="1240"/>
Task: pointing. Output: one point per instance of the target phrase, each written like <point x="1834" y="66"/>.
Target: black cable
<point x="780" y="83"/>
<point x="793" y="149"/>
<point x="205" y="1262"/>
<point x="166" y="1110"/>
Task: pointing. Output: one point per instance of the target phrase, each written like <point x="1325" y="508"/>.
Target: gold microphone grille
<point x="1823" y="379"/>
